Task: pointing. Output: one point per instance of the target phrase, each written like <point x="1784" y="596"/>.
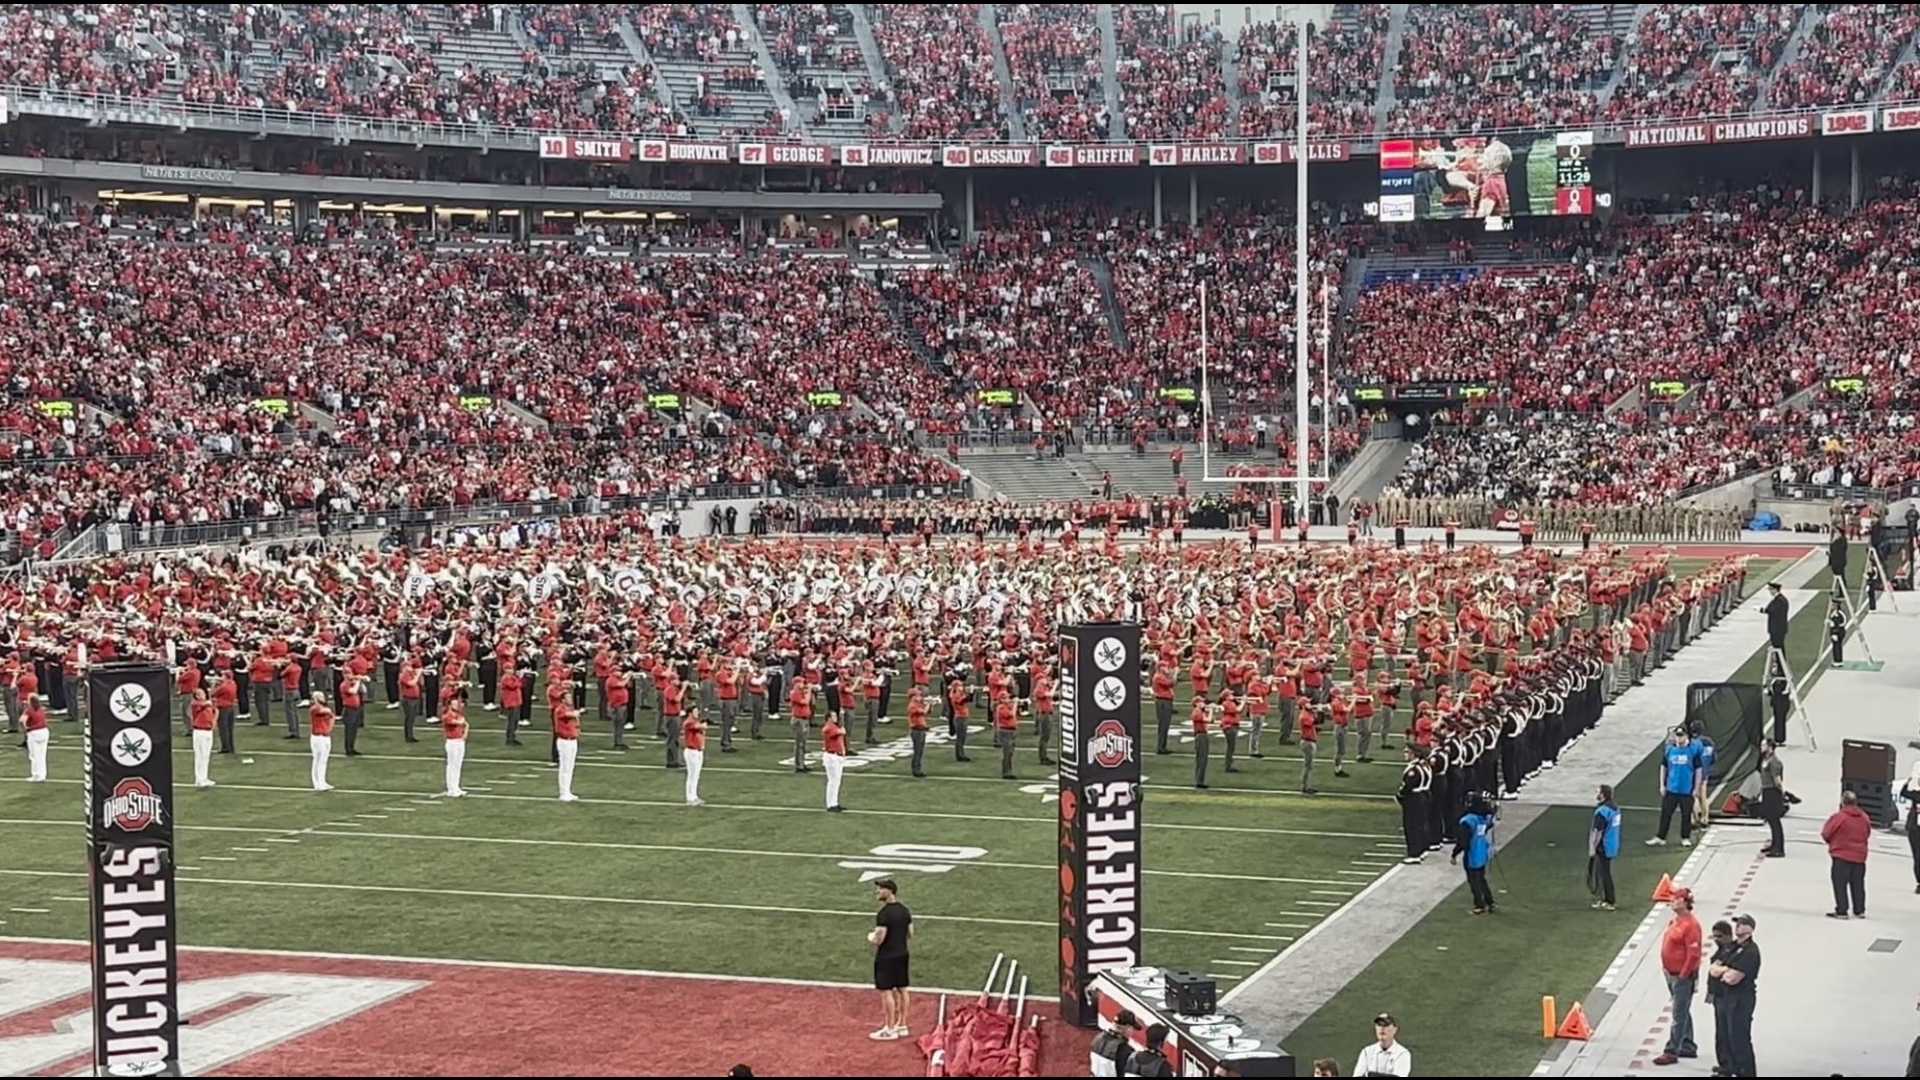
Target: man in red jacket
<point x="1846" y="834"/>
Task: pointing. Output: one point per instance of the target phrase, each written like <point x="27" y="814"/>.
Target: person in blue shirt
<point x="1680" y="778"/>
<point x="1475" y="841"/>
<point x="1603" y="846"/>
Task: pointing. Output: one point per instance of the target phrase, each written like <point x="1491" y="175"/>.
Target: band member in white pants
<point x="693" y="750"/>
<point x="566" y="744"/>
<point x="36" y="721"/>
<point x="320" y="739"/>
<point x="453" y="724"/>
<point x="200" y="716"/>
<point x="833" y="757"/>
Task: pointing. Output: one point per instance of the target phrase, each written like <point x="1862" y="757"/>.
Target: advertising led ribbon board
<point x="129" y="799"/>
<point x="1101" y="925"/>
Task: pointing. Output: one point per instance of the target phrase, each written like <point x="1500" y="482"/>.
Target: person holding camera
<point x="1475" y="841"/>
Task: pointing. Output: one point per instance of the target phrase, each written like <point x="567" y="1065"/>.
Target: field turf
<point x="760" y="881"/>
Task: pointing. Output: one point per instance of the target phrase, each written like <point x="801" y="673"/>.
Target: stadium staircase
<point x="1901" y="58"/>
<point x="847" y="123"/>
<point x="1016" y="120"/>
<point x="682" y="79"/>
<point x="1809" y="18"/>
<point x="1149" y="473"/>
<point x="876" y="64"/>
<point x="609" y="59"/>
<point x="763" y="59"/>
<point x="1230" y="78"/>
<point x="1371" y="470"/>
<point x="1013" y="474"/>
<point x="1389" y="62"/>
<point x="1629" y="41"/>
<point x="1102" y="272"/>
<point x="1110" y="72"/>
<point x="485" y="48"/>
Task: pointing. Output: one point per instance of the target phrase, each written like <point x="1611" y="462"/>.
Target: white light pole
<point x="1304" y="17"/>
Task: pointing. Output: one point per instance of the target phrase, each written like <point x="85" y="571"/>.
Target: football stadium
<point x="959" y="540"/>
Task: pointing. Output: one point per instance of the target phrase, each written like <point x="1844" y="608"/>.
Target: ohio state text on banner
<point x="1101" y="921"/>
<point x="129" y="798"/>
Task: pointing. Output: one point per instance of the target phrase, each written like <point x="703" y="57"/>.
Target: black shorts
<point x="889" y="973"/>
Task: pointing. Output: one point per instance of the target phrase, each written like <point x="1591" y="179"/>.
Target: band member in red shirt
<point x="566" y="742"/>
<point x="616" y="695"/>
<point x="917" y="729"/>
<point x="200" y="717"/>
<point x="1202" y="741"/>
<point x="833" y="755"/>
<point x="411" y="695"/>
<point x="726" y="688"/>
<point x="1310" y="716"/>
<point x="188" y="682"/>
<point x="36" y="722"/>
<point x="319" y="734"/>
<point x="1043" y="713"/>
<point x="290" y="696"/>
<point x="453" y="724"/>
<point x="353" y="707"/>
<point x="226" y="704"/>
<point x="800" y="708"/>
<point x="512" y="696"/>
<point x="1006" y="729"/>
<point x="693" y="738"/>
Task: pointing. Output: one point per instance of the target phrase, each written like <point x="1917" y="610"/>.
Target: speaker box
<point x="1869" y="770"/>
<point x="1189" y="994"/>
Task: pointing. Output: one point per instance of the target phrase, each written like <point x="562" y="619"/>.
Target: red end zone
<point x="284" y="1014"/>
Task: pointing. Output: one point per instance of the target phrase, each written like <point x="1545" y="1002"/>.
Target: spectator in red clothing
<point x="1846" y="834"/>
<point x="1680" y="949"/>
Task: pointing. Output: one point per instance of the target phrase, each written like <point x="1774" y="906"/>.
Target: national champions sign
<point x="1100" y="914"/>
<point x="129" y="797"/>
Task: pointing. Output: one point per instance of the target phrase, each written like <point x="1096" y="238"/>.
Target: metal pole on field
<point x="1303" y="487"/>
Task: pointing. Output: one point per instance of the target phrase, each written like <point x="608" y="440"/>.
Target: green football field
<point x="758" y="882"/>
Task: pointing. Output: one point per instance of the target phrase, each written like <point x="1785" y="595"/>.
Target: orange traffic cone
<point x="1575" y="1027"/>
<point x="1663" y="892"/>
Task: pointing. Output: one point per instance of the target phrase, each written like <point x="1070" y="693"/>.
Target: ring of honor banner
<point x="1100" y="915"/>
<point x="129" y="795"/>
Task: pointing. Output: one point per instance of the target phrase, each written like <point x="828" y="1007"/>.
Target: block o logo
<point x="1110" y="746"/>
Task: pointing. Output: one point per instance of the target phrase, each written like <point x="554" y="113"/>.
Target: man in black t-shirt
<point x="892" y="930"/>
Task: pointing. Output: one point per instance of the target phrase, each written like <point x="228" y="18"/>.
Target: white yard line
<point x="632" y="901"/>
<point x="755" y="808"/>
<point x="276" y="835"/>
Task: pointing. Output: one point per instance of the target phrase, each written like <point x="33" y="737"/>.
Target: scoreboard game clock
<point x="1573" y="173"/>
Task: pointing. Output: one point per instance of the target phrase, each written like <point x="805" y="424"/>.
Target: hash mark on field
<point x="343" y="825"/>
<point x="1237" y="963"/>
<point x="219" y="858"/>
<point x="1316" y="903"/>
<point x="281" y="840"/>
<point x="502" y="783"/>
<point x="31" y="910"/>
<point x="252" y="850"/>
<point x="1355" y="873"/>
<point x="401" y="809"/>
<point x="1246" y="948"/>
<point x="1289" y="926"/>
<point x="74" y="899"/>
<point x="374" y="817"/>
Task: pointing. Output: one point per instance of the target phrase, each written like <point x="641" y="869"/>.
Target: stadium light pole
<point x="1304" y="17"/>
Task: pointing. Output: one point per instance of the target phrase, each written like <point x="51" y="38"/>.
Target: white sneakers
<point x="323" y="787"/>
<point x="696" y="802"/>
<point x="205" y="784"/>
<point x="1654" y="841"/>
<point x="453" y="794"/>
<point x="569" y="797"/>
<point x="888" y="1034"/>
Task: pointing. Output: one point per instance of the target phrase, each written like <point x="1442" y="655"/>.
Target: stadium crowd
<point x="1460" y="67"/>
